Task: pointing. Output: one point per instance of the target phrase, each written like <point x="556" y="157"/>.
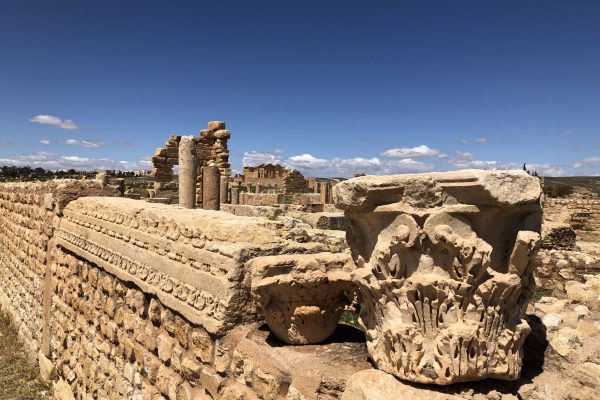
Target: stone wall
<point x="126" y="299"/>
<point x="582" y="214"/>
<point x="294" y="182"/>
<point x="30" y="215"/>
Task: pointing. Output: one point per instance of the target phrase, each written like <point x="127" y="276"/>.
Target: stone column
<point x="235" y="193"/>
<point x="211" y="187"/>
<point x="102" y="176"/>
<point x="257" y="188"/>
<point x="224" y="189"/>
<point x="187" y="172"/>
<point x="445" y="270"/>
<point x="325" y="192"/>
<point x="120" y="184"/>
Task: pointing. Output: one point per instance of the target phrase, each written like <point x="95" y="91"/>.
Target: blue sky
<point x="327" y="87"/>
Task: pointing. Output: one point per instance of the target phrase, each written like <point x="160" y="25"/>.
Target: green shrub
<point x="558" y="190"/>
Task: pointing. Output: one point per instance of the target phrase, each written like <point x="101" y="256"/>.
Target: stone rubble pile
<point x="558" y="236"/>
<point x="554" y="268"/>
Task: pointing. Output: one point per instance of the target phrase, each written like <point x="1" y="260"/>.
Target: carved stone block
<point x="302" y="296"/>
<point x="444" y="268"/>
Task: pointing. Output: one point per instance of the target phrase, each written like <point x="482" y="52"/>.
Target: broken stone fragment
<point x="216" y="125"/>
<point x="302" y="296"/>
<point x="445" y="270"/>
<point x="372" y="384"/>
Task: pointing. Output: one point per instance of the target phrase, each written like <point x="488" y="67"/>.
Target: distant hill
<point x="591" y="183"/>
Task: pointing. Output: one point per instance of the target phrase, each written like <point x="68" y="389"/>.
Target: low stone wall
<point x="272" y="199"/>
<point x="126" y="299"/>
<point x="582" y="214"/>
<point x="29" y="215"/>
<point x="261" y="199"/>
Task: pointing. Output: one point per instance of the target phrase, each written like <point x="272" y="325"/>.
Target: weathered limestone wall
<point x="294" y="182"/>
<point x="582" y="214"/>
<point x="261" y="199"/>
<point x="271" y="199"/>
<point x="29" y="215"/>
<point x="126" y="299"/>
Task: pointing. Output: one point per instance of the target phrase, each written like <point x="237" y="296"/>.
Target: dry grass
<point x="18" y="377"/>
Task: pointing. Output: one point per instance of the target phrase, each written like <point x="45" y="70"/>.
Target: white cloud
<point x="547" y="169"/>
<point x="84" y="143"/>
<point x="44" y="141"/>
<point x="312" y="166"/>
<point x="253" y="158"/>
<point x="464" y="141"/>
<point x="481" y="141"/>
<point x="123" y="143"/>
<point x="568" y="132"/>
<point x="407" y="165"/>
<point x="466" y="160"/>
<point x="413" y="152"/>
<point x="587" y="162"/>
<point x="306" y="161"/>
<point x="54" y="121"/>
<point x="53" y="161"/>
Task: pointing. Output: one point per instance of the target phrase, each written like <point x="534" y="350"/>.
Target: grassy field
<point x="591" y="183"/>
<point x="18" y="377"/>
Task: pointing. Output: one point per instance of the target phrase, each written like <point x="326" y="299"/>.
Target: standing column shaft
<point x="325" y="193"/>
<point x="211" y="187"/>
<point x="235" y="193"/>
<point x="187" y="172"/>
<point x="224" y="189"/>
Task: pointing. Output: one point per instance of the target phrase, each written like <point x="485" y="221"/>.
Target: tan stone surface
<point x="187" y="172"/>
<point x="29" y="215"/>
<point x="302" y="296"/>
<point x="372" y="384"/>
<point x="193" y="260"/>
<point x="308" y="372"/>
<point x="445" y="270"/>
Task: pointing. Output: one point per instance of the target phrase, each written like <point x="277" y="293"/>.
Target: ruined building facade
<point x="211" y="149"/>
<point x="274" y="178"/>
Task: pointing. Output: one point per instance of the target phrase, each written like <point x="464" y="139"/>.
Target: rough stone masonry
<point x="122" y="299"/>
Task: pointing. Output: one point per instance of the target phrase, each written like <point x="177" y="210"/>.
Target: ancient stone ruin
<point x="210" y="148"/>
<point x="444" y="266"/>
<point x="273" y="178"/>
<point x="121" y="298"/>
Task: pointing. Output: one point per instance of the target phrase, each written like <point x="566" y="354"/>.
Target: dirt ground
<point x="18" y="377"/>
